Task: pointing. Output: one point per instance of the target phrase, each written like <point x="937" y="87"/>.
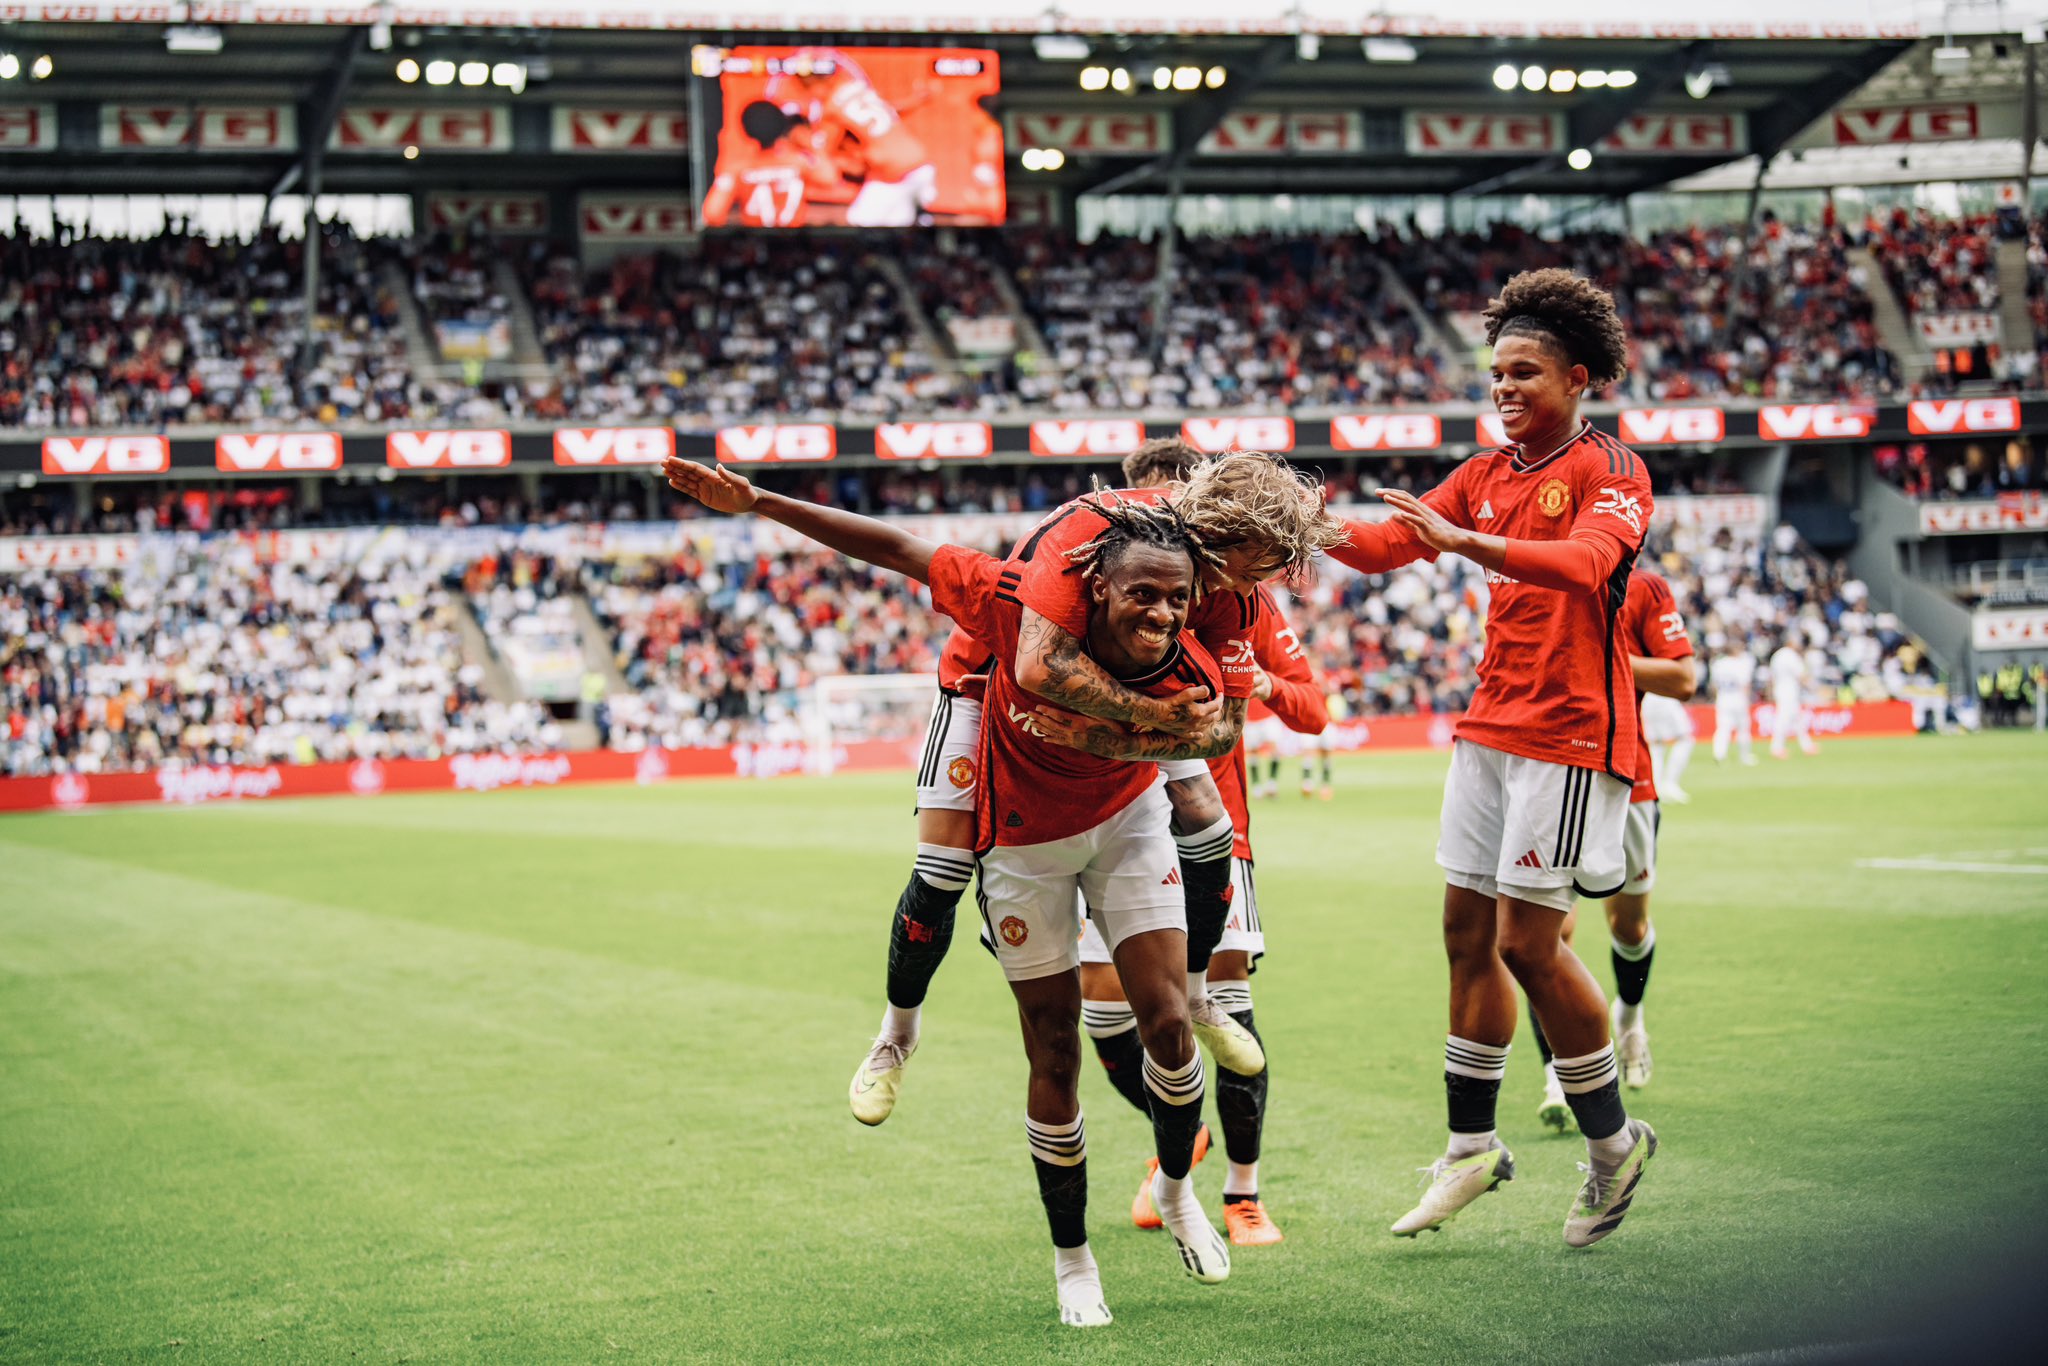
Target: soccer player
<point x="1661" y="660"/>
<point x="1288" y="688"/>
<point x="1733" y="674"/>
<point x="862" y="133"/>
<point x="1054" y="821"/>
<point x="1789" y="676"/>
<point x="768" y="187"/>
<point x="1537" y="797"/>
<point x="1268" y="521"/>
<point x="1667" y="730"/>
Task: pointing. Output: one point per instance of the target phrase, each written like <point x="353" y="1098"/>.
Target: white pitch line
<point x="1929" y="865"/>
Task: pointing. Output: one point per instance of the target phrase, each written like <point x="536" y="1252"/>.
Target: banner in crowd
<point x="204" y="785"/>
<point x="2010" y="629"/>
<point x="2007" y="512"/>
<point x="1946" y="331"/>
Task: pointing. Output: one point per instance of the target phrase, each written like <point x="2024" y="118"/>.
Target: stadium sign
<point x="1813" y="421"/>
<point x="439" y="128"/>
<point x="447" y="450"/>
<point x="1490" y="430"/>
<point x="614" y="445"/>
<point x="1212" y="435"/>
<point x="1671" y="426"/>
<point x="2009" y="512"/>
<point x="2025" y="629"/>
<point x="779" y="443"/>
<point x="1959" y="416"/>
<point x="507" y="215"/>
<point x="1941" y="331"/>
<point x="934" y="440"/>
<point x="1250" y="132"/>
<point x="582" y="130"/>
<point x="250" y="452"/>
<point x="1439" y="134"/>
<point x="1678" y="135"/>
<point x="203" y="128"/>
<point x="106" y="455"/>
<point x="1385" y="432"/>
<point x="1109" y="135"/>
<point x="1878" y="127"/>
<point x="28" y="127"/>
<point x="636" y="218"/>
<point x="1096" y="436"/>
<point x="18" y="553"/>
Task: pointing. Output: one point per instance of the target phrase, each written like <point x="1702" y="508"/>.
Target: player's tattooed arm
<point x="1113" y="740"/>
<point x="1051" y="664"/>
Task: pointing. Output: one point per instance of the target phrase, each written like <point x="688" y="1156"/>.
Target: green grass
<point x="559" y="1076"/>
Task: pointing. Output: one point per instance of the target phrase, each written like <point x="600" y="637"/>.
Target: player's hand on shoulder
<point x="715" y="487"/>
<point x="1262" y="683"/>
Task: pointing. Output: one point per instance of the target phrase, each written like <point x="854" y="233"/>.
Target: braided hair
<point x="1573" y="317"/>
<point x="1132" y="522"/>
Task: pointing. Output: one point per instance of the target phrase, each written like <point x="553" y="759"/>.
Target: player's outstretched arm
<point x="864" y="538"/>
<point x="1052" y="664"/>
<point x="1676" y="678"/>
<point x="1112" y="740"/>
<point x="1581" y="563"/>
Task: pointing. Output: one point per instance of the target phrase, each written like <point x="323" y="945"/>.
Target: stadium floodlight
<point x="1620" y="80"/>
<point x="408" y="70"/>
<point x="1215" y="77"/>
<point x="1054" y="159"/>
<point x="1120" y="81"/>
<point x="510" y="75"/>
<point x="203" y="38"/>
<point x="1533" y="77"/>
<point x="10" y="66"/>
<point x="440" y="73"/>
<point x="1563" y="82"/>
<point x="1094" y="78"/>
<point x="473" y="73"/>
<point x="1060" y="47"/>
<point x="412" y="151"/>
<point x="1187" y="77"/>
<point x="1592" y="80"/>
<point x="1032" y="159"/>
<point x="1307" y="46"/>
<point x="1162" y="77"/>
<point x="1505" y="77"/>
<point x="1579" y="159"/>
<point x="43" y="68"/>
<point x="1389" y="50"/>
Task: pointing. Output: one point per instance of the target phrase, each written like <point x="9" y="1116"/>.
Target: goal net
<point x="848" y="708"/>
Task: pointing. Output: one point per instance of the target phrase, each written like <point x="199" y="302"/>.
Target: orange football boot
<point x="1248" y="1223"/>
<point x="1142" y="1213"/>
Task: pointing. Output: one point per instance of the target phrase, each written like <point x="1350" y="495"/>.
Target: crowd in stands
<point x="1793" y="317"/>
<point x="204" y="655"/>
<point x="176" y="330"/>
<point x="1952" y="470"/>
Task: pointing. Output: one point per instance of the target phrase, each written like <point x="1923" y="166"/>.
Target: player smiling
<point x="1538" y="791"/>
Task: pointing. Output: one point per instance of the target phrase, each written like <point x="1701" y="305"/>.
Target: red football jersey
<point x="1224" y="622"/>
<point x="1651" y="625"/>
<point x="1297" y="700"/>
<point x="1553" y="676"/>
<point x="1033" y="791"/>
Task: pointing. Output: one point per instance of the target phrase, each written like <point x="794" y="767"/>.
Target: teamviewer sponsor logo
<point x="488" y="772"/>
<point x="191" y="786"/>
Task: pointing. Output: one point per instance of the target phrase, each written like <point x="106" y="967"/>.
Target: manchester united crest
<point x="1554" y="497"/>
<point x="961" y="772"/>
<point x="1014" y="931"/>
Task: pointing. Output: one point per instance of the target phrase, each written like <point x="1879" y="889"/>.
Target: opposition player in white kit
<point x="1789" y="676"/>
<point x="1733" y="674"/>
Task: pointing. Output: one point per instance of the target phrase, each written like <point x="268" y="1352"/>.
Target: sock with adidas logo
<point x="1592" y="1087"/>
<point x="1176" y="1105"/>
<point x="1113" y="1029"/>
<point x="1059" y="1154"/>
<point x="1472" y="1077"/>
<point x="1205" y="873"/>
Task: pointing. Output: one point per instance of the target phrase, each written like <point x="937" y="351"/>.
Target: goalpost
<point x="844" y="708"/>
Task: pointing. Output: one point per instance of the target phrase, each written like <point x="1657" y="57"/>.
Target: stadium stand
<point x="1937" y="265"/>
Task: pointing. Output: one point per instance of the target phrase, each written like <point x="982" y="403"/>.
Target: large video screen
<point x="867" y="137"/>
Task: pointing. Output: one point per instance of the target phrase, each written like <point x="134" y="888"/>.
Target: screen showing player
<point x="866" y="137"/>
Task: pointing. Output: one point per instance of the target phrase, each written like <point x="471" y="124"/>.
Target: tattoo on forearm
<point x="1074" y="680"/>
<point x="1114" y="742"/>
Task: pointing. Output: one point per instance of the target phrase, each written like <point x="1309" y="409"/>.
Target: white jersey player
<point x="1789" y="676"/>
<point x="1733" y="674"/>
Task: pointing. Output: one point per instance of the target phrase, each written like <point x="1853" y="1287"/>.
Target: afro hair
<point x="1574" y="315"/>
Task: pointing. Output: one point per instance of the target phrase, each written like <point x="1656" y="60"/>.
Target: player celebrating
<point x="1537" y="796"/>
<point x="770" y="188"/>
<point x="1287" y="687"/>
<point x="862" y="133"/>
<point x="1661" y="661"/>
<point x="1268" y="521"/>
<point x="1053" y="822"/>
<point x="1733" y="674"/>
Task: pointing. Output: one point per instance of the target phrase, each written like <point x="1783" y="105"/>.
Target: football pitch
<point x="559" y="1076"/>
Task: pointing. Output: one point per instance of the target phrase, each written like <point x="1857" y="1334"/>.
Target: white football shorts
<point x="1180" y="770"/>
<point x="1241" y="933"/>
<point x="1127" y="869"/>
<point x="1266" y="734"/>
<point x="1639" y="846"/>
<point x="1531" y="829"/>
<point x="946" y="776"/>
<point x="1665" y="719"/>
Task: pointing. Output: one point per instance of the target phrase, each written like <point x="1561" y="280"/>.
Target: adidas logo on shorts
<point x="1529" y="860"/>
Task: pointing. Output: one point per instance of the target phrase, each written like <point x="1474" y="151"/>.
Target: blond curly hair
<point x="1249" y="497"/>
